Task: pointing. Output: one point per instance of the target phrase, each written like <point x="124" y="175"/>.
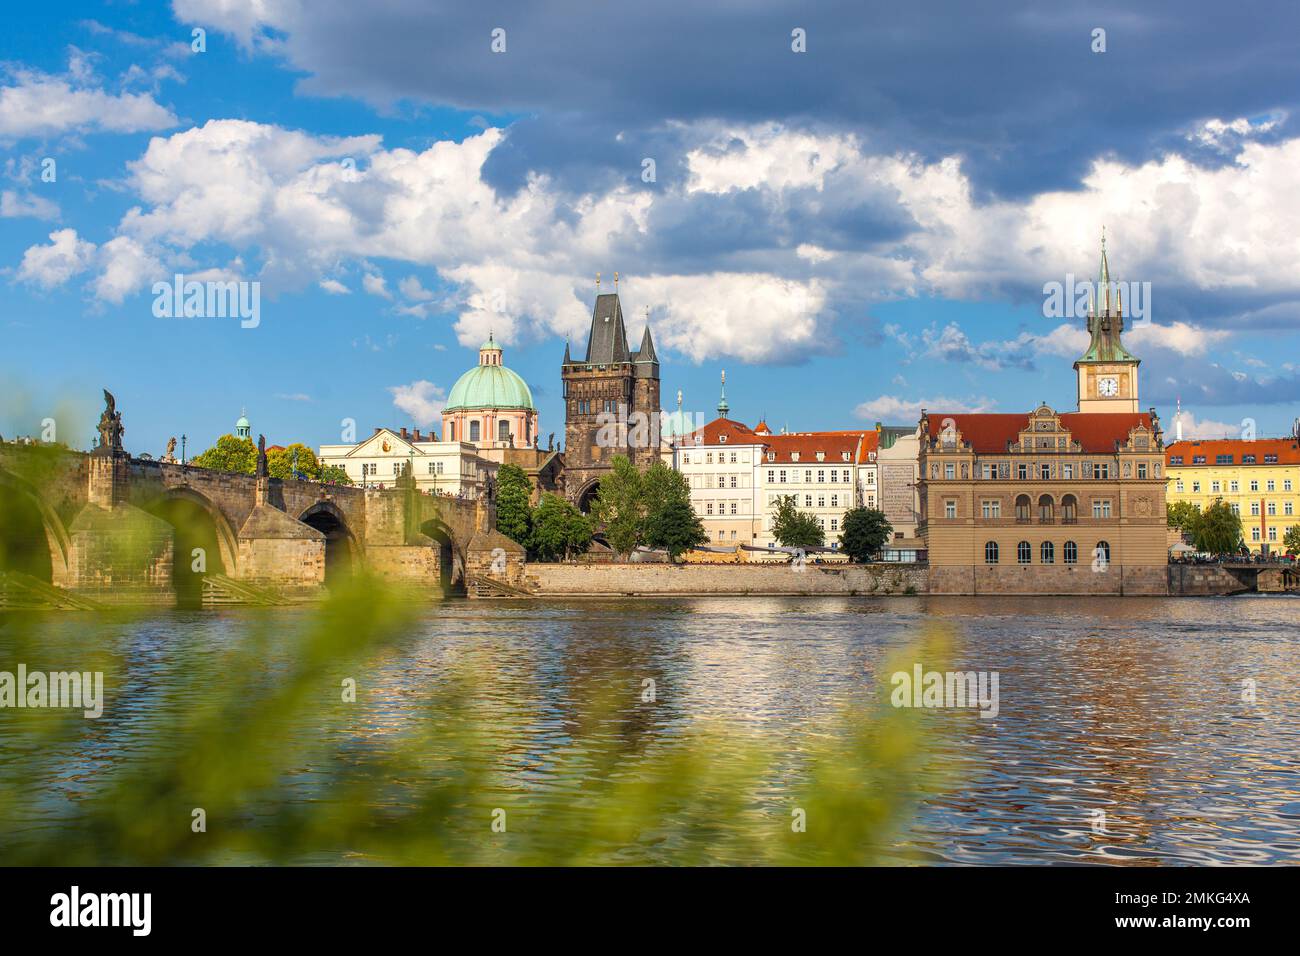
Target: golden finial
<point x="597" y="280"/>
<point x="615" y="280"/>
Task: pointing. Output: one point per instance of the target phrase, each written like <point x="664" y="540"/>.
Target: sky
<point x="856" y="209"/>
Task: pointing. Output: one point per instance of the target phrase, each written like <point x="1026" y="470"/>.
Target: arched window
<point x="1046" y="508"/>
<point x="1071" y="553"/>
<point x="503" y="430"/>
<point x="1047" y="552"/>
<point x="473" y="430"/>
<point x="1022" y="507"/>
<point x="1024" y="553"/>
<point x="1069" y="509"/>
<point x="451" y="431"/>
<point x="1103" y="551"/>
<point x="991" y="552"/>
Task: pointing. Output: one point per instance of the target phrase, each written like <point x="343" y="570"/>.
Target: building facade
<point x="1259" y="479"/>
<point x="1050" y="502"/>
<point x="611" y="402"/>
<point x="490" y="406"/>
<point x="720" y="463"/>
<point x="439" y="467"/>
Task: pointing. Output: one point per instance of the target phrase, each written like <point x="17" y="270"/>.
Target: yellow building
<point x="1260" y="479"/>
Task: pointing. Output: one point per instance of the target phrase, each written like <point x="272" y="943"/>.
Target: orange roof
<point x="736" y="433"/>
<point x="858" y="443"/>
<point x="989" y="433"/>
<point x="1287" y="450"/>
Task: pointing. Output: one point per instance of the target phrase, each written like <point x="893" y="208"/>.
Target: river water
<point x="1130" y="706"/>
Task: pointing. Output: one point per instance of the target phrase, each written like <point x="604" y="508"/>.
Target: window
<point x="1254" y="534"/>
<point x="821" y="477"/>
<point x="733" y="507"/>
<point x="1067" y="472"/>
<point x="733" y="481"/>
<point x="1069" y="509"/>
<point x="991" y="552"/>
<point x="1198" y="459"/>
<point x="1047" y="552"/>
<point x="1214" y="487"/>
<point x="1270" y="459"/>
<point x="783" y="476"/>
<point x="1272" y="507"/>
<point x="1286" y="508"/>
<point x="708" y="458"/>
<point x="503" y="431"/>
<point x="1175" y="459"/>
<point x="1272" y="534"/>
<point x="1254" y="484"/>
<point x="949" y="470"/>
<point x="807" y="501"/>
<point x="1142" y="469"/>
<point x="1022" y="508"/>
<point x="835" y="501"/>
<point x="1270" y="485"/>
<point x="1286" y="484"/>
<point x="950" y="509"/>
<point x="1196" y="487"/>
<point x="1046" y="508"/>
<point x="1233" y="486"/>
<point x="1101" y="471"/>
<point x="1045" y="472"/>
<point x="1024" y="553"/>
<point x="1254" y="508"/>
<point x="988" y="471"/>
<point x="708" y="508"/>
<point x="733" y="457"/>
<point x="991" y="509"/>
<point x="771" y="477"/>
<point x="1248" y="459"/>
<point x="1022" y="471"/>
<point x="1101" y="508"/>
<point x="1070" y="553"/>
<point x="1179" y="484"/>
<point x="474" y="430"/>
<point x="1102" y="551"/>
<point x="1223" y="459"/>
<point x="722" y="481"/>
<point x="807" y="477"/>
<point x="835" y="524"/>
<point x="821" y="501"/>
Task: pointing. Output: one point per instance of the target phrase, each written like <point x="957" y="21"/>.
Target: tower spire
<point x="723" y="407"/>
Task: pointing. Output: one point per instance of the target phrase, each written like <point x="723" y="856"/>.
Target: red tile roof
<point x="989" y="433"/>
<point x="857" y="443"/>
<point x="1286" y="449"/>
<point x="736" y="433"/>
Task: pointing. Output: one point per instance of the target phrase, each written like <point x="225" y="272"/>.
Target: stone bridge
<point x="114" y="529"/>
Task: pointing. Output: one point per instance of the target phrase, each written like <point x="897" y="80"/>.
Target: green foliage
<point x="661" y="485"/>
<point x="335" y="475"/>
<point x="1217" y="530"/>
<point x="559" y="529"/>
<point x="793" y="528"/>
<point x="1291" y="540"/>
<point x="514" y="499"/>
<point x="620" y="506"/>
<point x="675" y="528"/>
<point x="259" y="734"/>
<point x="1183" y="515"/>
<point x="865" y="532"/>
<point x="229" y="454"/>
<point x="279" y="463"/>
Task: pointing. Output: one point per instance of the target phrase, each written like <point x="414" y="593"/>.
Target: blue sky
<point x="852" y="232"/>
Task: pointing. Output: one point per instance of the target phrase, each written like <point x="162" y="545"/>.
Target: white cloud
<point x="421" y="400"/>
<point x="14" y="206"/>
<point x="1193" y="427"/>
<point x="41" y="104"/>
<point x="125" y="266"/>
<point x="334" y="287"/>
<point x="1177" y="337"/>
<point x="376" y="284"/>
<point x="411" y="288"/>
<point x="889" y="408"/>
<point x="56" y="263"/>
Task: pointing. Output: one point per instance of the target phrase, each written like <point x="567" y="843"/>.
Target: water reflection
<point x="1132" y="707"/>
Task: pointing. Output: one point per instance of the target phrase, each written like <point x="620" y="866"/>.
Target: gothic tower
<point x="1108" y="372"/>
<point x="611" y="402"/>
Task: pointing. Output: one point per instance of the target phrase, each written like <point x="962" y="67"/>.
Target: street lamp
<point x="183" y="439"/>
<point x="295" y="464"/>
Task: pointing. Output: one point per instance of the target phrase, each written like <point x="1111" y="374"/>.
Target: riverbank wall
<point x="606" y="580"/>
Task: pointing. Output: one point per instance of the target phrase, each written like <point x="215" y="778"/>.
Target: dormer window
<point x="844" y="456"/>
<point x="821" y="456"/>
<point x="722" y="439"/>
<point x="794" y="456"/>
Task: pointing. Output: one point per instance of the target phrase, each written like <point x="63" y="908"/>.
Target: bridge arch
<point x="587" y="496"/>
<point x="33" y="539"/>
<point x="342" y="550"/>
<point x="442" y="535"/>
<point x="197" y="524"/>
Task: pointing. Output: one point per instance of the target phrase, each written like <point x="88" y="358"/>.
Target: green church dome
<point x="490" y="386"/>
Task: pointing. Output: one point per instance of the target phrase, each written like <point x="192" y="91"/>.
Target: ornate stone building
<point x="611" y="402"/>
<point x="1050" y="502"/>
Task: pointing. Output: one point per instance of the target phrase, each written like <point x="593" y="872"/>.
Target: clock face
<point x="1108" y="386"/>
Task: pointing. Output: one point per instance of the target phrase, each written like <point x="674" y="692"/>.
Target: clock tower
<point x="1108" y="372"/>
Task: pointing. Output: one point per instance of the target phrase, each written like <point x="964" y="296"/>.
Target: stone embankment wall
<point x="605" y="580"/>
<point x="1204" y="580"/>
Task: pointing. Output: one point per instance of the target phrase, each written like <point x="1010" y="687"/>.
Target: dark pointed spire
<point x="647" y="351"/>
<point x="567" y="359"/>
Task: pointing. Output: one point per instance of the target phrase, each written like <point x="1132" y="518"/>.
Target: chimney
<point x="378" y="429"/>
<point x="404" y="434"/>
<point x="417" y="435"/>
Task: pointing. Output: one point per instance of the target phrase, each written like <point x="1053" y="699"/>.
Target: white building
<point x="821" y="471"/>
<point x="720" y="463"/>
<point x="441" y="467"/>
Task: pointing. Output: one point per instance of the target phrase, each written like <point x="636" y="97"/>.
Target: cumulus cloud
<point x="376" y="284"/>
<point x="1184" y="424"/>
<point x="890" y="408"/>
<point x="51" y="265"/>
<point x="422" y="401"/>
<point x="334" y="287"/>
<point x="15" y="205"/>
<point x="33" y="103"/>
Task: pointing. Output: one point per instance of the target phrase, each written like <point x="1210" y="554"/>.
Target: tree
<point x="865" y="533"/>
<point x="1292" y="539"/>
<point x="279" y="463"/>
<point x="620" y="506"/>
<point x="1183" y="515"/>
<point x="229" y="454"/>
<point x="793" y="528"/>
<point x="514" y="497"/>
<point x="559" y="529"/>
<point x="1218" y="530"/>
<point x="675" y="527"/>
<point x="662" y="485"/>
<point x="334" y="475"/>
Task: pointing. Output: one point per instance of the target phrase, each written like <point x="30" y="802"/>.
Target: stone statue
<point x="550" y="442"/>
<point x="489" y="489"/>
<point x="262" y="470"/>
<point x="110" y="427"/>
<point x="170" y="456"/>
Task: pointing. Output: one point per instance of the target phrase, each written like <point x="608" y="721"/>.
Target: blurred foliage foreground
<point x="256" y="733"/>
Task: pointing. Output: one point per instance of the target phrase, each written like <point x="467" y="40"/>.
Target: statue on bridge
<point x="170" y="455"/>
<point x="110" y="427"/>
<point x="263" y="470"/>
